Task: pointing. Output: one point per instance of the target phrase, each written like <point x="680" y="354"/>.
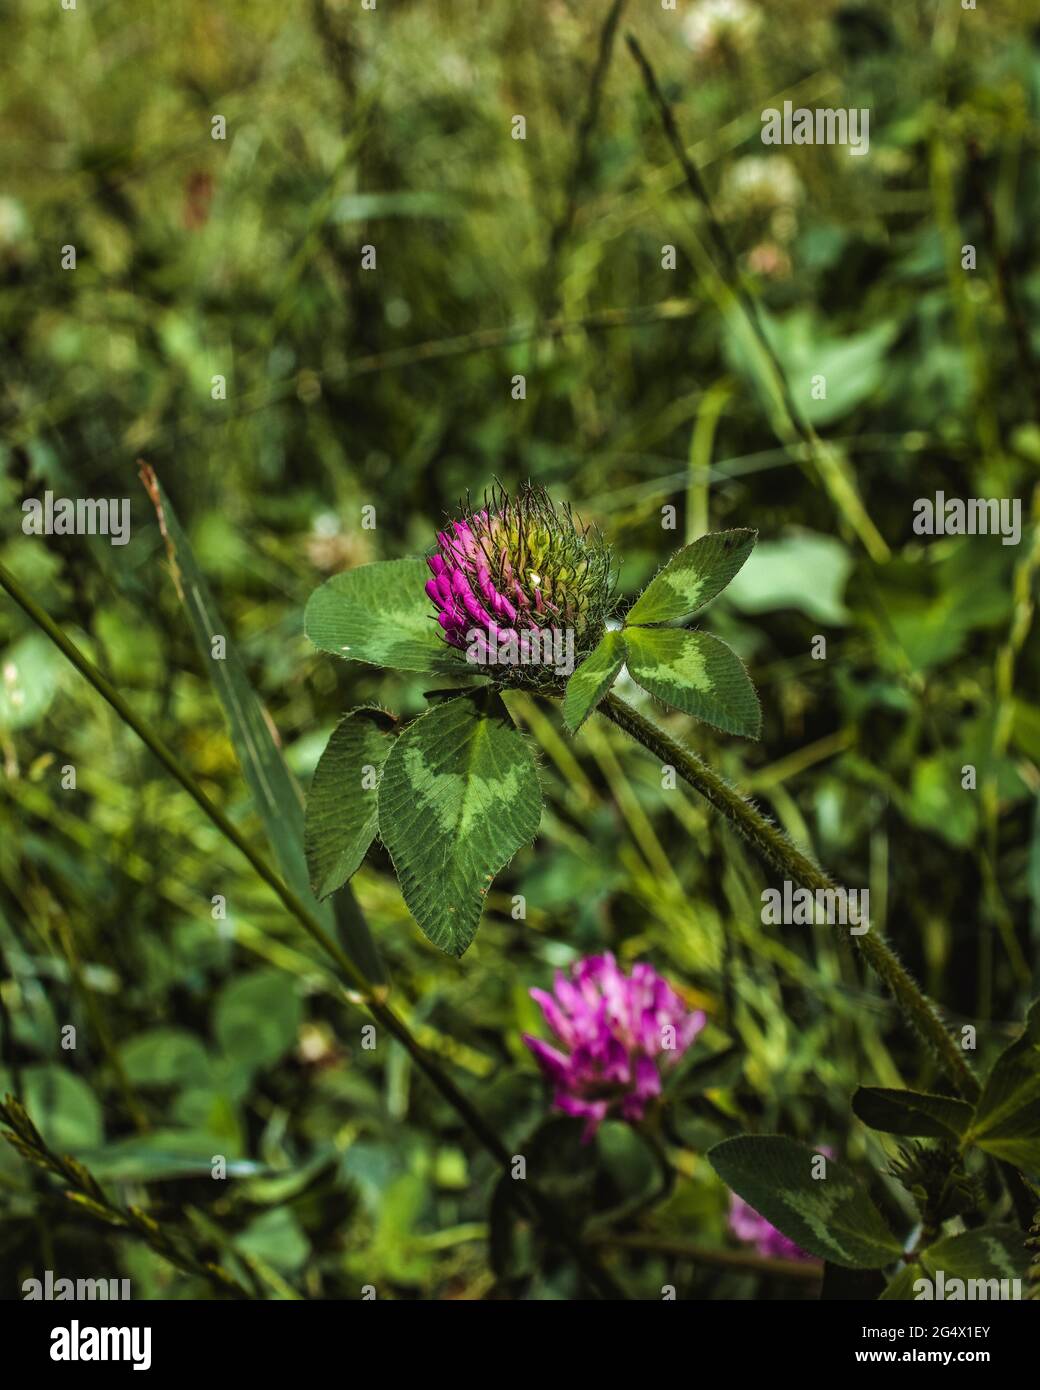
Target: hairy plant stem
<point x="772" y="845"/>
<point x="85" y="1194"/>
<point x="525" y="1195"/>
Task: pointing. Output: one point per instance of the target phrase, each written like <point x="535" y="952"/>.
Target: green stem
<point x="523" y="1194"/>
<point x="84" y="1193"/>
<point x="772" y="845"/>
<point x="580" y="160"/>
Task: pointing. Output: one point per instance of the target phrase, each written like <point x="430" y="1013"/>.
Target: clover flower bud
<point x="519" y="581"/>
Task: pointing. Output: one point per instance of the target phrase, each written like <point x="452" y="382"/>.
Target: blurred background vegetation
<point x="391" y="388"/>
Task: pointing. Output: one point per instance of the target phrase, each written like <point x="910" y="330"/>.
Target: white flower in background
<point x="711" y="23"/>
<point x="763" y="186"/>
<point x="765" y="191"/>
<point x="761" y="183"/>
<point x="14" y="225"/>
<point x="456" y="71"/>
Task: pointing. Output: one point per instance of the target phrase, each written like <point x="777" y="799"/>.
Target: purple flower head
<point x="612" y="1027"/>
<point x="748" y="1226"/>
<point x="520" y="566"/>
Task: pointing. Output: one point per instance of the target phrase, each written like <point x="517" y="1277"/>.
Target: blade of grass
<point x="734" y="300"/>
<point x="580" y="158"/>
<point x="86" y="1195"/>
<point x="702" y="441"/>
<point x="275" y="793"/>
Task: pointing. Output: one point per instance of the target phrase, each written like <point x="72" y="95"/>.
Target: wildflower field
<point x="519" y="679"/>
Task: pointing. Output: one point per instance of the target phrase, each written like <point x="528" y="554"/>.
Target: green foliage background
<point x="391" y="388"/>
